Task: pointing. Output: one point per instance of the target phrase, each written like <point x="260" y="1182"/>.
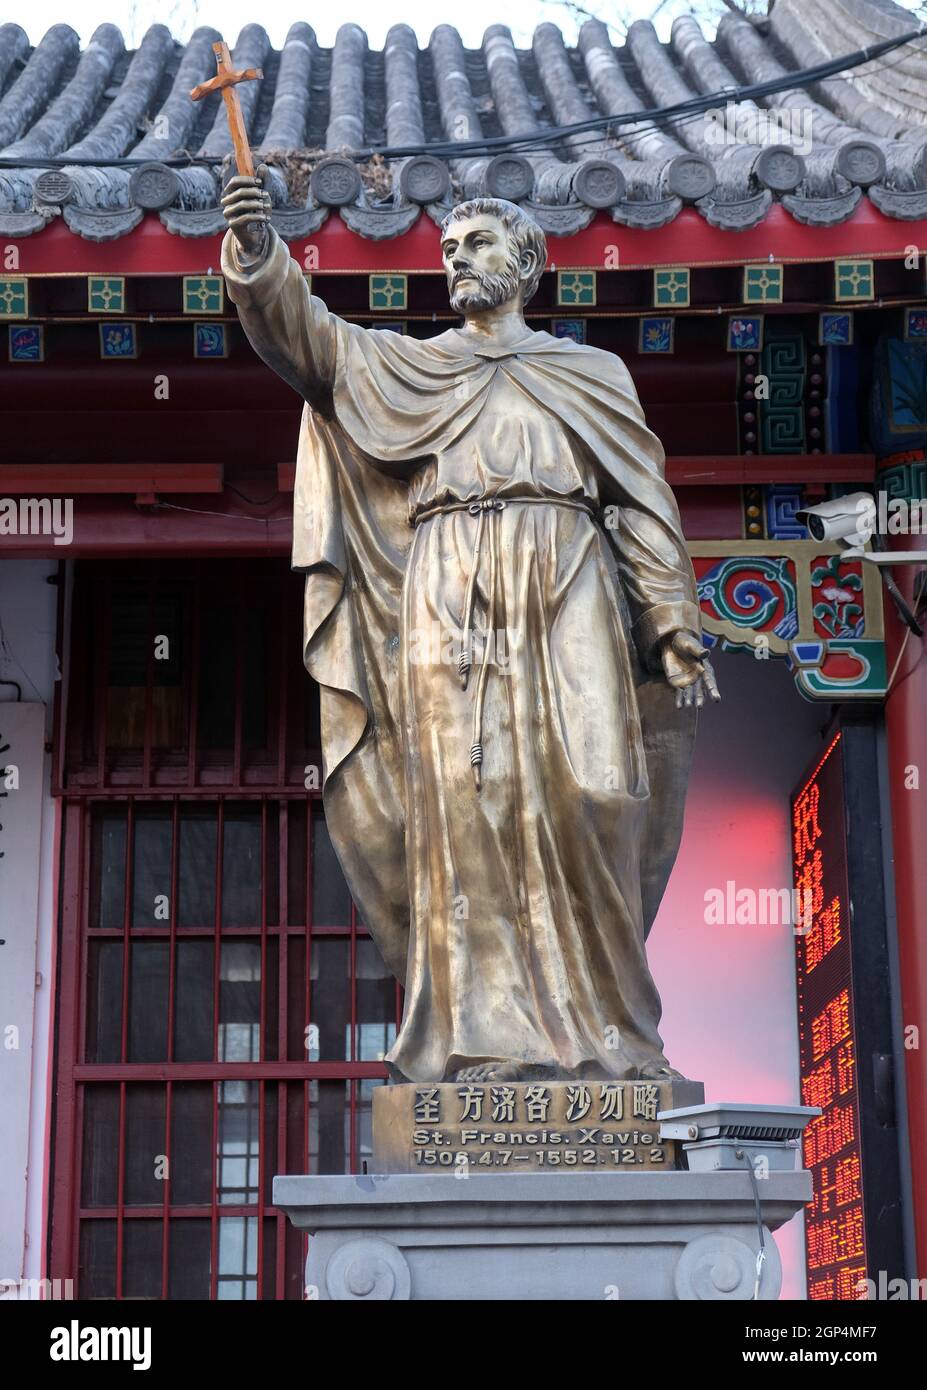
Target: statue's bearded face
<point x="482" y="263"/>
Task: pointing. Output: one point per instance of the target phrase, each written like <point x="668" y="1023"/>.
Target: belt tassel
<point x="493" y="505"/>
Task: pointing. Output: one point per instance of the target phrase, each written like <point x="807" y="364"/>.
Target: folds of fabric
<point x="431" y="392"/>
<point x="527" y="939"/>
<point x="351" y="535"/>
<point x="381" y="408"/>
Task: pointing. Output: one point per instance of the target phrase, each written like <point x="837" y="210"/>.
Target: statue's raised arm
<point x="288" y="327"/>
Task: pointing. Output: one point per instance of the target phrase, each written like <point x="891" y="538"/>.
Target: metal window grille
<point x="222" y="1012"/>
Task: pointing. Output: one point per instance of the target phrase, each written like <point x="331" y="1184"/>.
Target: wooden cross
<point x="225" y="81"/>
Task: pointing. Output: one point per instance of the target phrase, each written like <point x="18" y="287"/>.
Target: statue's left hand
<point x="688" y="670"/>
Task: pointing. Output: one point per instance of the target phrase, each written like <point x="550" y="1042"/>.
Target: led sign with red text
<point x="834" y="1223"/>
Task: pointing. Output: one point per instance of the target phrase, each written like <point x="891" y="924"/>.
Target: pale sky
<point x="375" y="16"/>
<point x="228" y="16"/>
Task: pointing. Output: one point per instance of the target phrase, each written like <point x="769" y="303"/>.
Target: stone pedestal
<point x="565" y="1204"/>
<point x="541" y="1235"/>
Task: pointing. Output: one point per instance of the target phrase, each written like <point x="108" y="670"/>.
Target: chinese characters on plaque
<point x="525" y="1125"/>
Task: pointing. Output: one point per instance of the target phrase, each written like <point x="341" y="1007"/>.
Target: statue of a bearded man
<point x="501" y="614"/>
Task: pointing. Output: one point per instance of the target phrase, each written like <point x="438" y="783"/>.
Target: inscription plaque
<point x="523" y="1126"/>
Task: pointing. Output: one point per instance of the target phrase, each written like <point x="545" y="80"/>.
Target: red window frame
<point x="87" y="777"/>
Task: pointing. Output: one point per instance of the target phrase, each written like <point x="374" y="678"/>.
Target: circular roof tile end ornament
<point x="154" y="187"/>
<point x="509" y="176"/>
<point x="424" y="179"/>
<point x="598" y="183"/>
<point x="690" y="176"/>
<point x="53" y="188"/>
<point x="779" y="168"/>
<point x="861" y="162"/>
<point x="920" y="165"/>
<point x="335" y="182"/>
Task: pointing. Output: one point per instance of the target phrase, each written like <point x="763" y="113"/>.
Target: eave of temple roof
<point x="863" y="133"/>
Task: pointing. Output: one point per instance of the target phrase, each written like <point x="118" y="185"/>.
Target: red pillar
<point x="906" y="725"/>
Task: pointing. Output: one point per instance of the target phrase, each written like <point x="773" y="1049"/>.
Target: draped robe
<point x="515" y="913"/>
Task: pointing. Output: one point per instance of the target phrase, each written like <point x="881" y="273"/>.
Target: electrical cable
<point x="911" y="626"/>
<point x="908" y="674"/>
<point x="758" y="1212"/>
<point x="897" y="597"/>
<point x="226" y="516"/>
<point x="527" y="140"/>
<point x="253" y="501"/>
<point x="730" y="95"/>
<point x="901" y="651"/>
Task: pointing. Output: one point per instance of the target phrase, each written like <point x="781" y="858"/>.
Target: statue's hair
<point x="522" y="228"/>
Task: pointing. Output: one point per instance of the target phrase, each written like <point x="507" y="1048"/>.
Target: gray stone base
<point x="513" y="1236"/>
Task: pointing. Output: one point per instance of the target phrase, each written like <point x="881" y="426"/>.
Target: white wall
<point x="27" y="877"/>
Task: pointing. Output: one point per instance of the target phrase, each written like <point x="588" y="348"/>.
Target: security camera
<point x="851" y="519"/>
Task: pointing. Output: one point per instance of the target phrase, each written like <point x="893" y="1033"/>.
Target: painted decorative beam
<point x="149" y="249"/>
<point x="696" y="470"/>
<point x="799" y="600"/>
<point x="54" y="479"/>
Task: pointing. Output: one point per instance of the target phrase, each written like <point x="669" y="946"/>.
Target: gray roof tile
<point x="82" y="111"/>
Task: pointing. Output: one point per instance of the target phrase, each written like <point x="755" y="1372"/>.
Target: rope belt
<point x="482" y="508"/>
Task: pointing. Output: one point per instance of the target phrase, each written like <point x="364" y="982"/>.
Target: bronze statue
<point x="501" y="613"/>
